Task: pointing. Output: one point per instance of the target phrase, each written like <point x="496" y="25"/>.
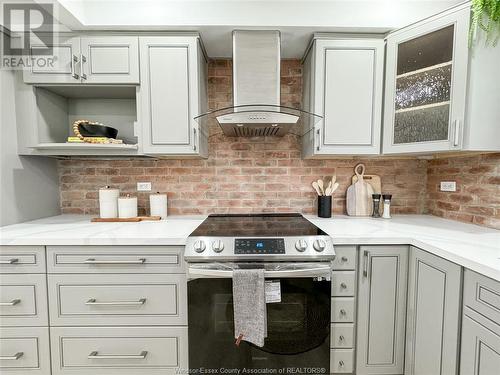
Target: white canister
<point x="158" y="205"/>
<point x="108" y="202"/>
<point x="127" y="207"/>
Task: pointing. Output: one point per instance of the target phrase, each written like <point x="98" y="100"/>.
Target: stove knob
<point x="301" y="245"/>
<point x="199" y="246"/>
<point x="319" y="245"/>
<point x="217" y="246"/>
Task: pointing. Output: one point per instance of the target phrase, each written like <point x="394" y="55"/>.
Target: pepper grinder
<point x="387" y="206"/>
<point x="376" y="205"/>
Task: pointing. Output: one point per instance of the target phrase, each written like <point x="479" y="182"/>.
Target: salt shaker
<point x="387" y="206"/>
<point x="376" y="205"/>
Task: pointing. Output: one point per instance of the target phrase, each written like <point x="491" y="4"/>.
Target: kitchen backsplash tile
<point x="256" y="175"/>
<point x="477" y="199"/>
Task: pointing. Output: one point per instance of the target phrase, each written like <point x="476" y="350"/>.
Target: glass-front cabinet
<point x="426" y="79"/>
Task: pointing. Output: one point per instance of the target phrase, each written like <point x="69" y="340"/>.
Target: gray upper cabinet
<point x="426" y="80"/>
<point x="433" y="315"/>
<point x="440" y="95"/>
<point x="381" y="309"/>
<point x="173" y="92"/>
<point x="110" y="59"/>
<point x="343" y="79"/>
<point x="97" y="59"/>
<point x="63" y="68"/>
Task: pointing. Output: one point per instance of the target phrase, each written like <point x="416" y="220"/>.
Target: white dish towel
<point x="249" y="305"/>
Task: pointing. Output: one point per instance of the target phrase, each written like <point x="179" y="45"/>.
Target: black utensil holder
<point x="325" y="206"/>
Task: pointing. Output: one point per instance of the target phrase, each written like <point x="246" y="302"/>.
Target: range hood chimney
<point x="256" y="107"/>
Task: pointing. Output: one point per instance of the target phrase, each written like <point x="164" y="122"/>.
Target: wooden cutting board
<point x="373" y="179"/>
<point x="127" y="220"/>
<point x="359" y="195"/>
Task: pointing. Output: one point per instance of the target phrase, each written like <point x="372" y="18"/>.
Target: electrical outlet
<point x="144" y="186"/>
<point x="448" y="186"/>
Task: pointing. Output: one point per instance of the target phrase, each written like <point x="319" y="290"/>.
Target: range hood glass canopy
<point x="260" y="120"/>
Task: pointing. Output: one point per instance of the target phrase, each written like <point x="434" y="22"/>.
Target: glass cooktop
<point x="257" y="225"/>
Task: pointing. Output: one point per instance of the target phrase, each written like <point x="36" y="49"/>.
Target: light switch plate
<point x="448" y="186"/>
<point x="144" y="186"/>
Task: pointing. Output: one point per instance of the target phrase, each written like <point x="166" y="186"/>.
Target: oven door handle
<point x="316" y="271"/>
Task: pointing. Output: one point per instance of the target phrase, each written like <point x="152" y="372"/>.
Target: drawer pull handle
<point x="95" y="355"/>
<point x="14" y="357"/>
<point x="342" y="312"/>
<point x="94" y="302"/>
<point x="11" y="303"/>
<point x="343" y="285"/>
<point x="341" y="363"/>
<point x="95" y="261"/>
<point x="344" y="259"/>
<point x="341" y="338"/>
<point x="9" y="261"/>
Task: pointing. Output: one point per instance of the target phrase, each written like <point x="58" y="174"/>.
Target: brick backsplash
<point x="477" y="199"/>
<point x="255" y="174"/>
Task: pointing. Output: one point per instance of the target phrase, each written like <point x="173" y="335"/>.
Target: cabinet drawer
<point x="22" y="259"/>
<point x="341" y="361"/>
<point x="342" y="309"/>
<point x="345" y="258"/>
<point x="119" y="351"/>
<point x="118" y="299"/>
<point x="115" y="259"/>
<point x="342" y="335"/>
<point x="482" y="294"/>
<point x="23" y="300"/>
<point x="24" y="351"/>
<point x="343" y="283"/>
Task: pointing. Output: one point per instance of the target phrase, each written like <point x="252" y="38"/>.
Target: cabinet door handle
<point x="83" y="60"/>
<point x="74" y="60"/>
<point x="344" y="259"/>
<point x="9" y="261"/>
<point x="456" y="134"/>
<point x="341" y="363"/>
<point x="194" y="139"/>
<point x="343" y="285"/>
<point x="341" y="338"/>
<point x="94" y="302"/>
<point x="95" y="355"/>
<point x="318" y="136"/>
<point x="14" y="357"/>
<point x="11" y="303"/>
<point x="366" y="256"/>
<point x="342" y="312"/>
<point x="96" y="261"/>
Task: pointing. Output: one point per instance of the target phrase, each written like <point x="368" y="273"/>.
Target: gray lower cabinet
<point x="381" y="309"/>
<point x="24" y="350"/>
<point x="433" y="315"/>
<point x="480" y="353"/>
<point x="119" y="350"/>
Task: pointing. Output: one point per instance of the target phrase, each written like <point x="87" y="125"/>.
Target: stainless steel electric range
<point x="294" y="253"/>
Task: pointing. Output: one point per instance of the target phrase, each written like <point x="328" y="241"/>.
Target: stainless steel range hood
<point x="256" y="109"/>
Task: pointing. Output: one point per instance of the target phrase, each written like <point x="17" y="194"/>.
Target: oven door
<point x="298" y="327"/>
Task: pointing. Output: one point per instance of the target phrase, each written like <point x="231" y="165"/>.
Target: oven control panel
<point x="259" y="246"/>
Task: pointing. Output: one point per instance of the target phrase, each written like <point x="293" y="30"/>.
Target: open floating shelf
<point x="80" y="146"/>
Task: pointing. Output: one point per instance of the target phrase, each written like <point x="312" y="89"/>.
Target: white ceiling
<point x="215" y="19"/>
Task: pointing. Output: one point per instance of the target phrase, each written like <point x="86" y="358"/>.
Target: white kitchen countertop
<point x="471" y="246"/>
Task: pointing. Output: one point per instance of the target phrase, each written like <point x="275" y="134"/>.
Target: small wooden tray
<point x="127" y="220"/>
